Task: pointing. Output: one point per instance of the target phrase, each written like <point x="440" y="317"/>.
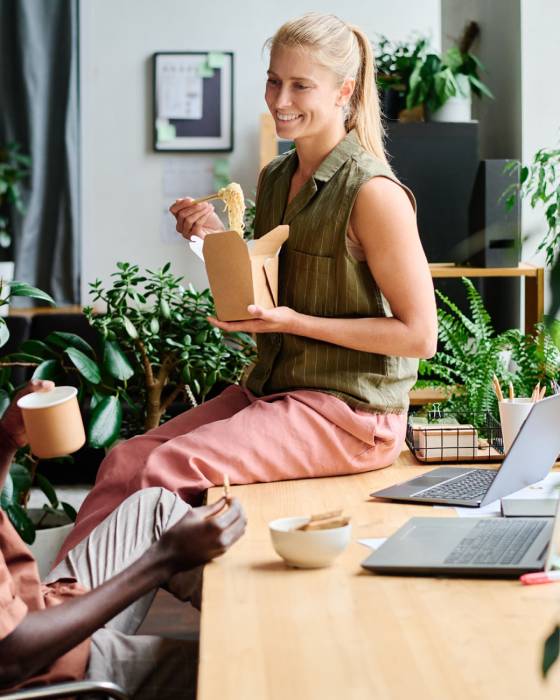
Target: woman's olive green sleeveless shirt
<point x="319" y="277"/>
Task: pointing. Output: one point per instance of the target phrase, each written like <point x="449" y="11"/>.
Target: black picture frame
<point x="199" y="121"/>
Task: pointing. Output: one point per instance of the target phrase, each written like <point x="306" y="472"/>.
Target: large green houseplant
<point x="14" y="169"/>
<point x="155" y="347"/>
<point x="23" y="473"/>
<point x="436" y="79"/>
<point x="539" y="184"/>
<point x="395" y="62"/>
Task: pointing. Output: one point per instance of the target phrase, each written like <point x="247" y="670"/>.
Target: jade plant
<point x="156" y="347"/>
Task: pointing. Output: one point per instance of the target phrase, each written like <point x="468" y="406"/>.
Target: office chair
<point x="65" y="690"/>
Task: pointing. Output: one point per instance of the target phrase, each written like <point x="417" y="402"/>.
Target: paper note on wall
<point x="215" y="59"/>
<point x="204" y="70"/>
<point x="180" y="88"/>
<point x="165" y="130"/>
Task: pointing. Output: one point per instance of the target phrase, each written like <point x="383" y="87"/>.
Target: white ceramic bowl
<point x="307" y="550"/>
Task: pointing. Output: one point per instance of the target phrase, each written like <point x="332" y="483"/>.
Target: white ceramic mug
<point x="513" y="413"/>
<point x="53" y="422"/>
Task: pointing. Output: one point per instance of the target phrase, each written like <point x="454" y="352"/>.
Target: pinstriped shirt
<point x="319" y="277"/>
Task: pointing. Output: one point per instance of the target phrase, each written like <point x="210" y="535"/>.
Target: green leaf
<point x="22" y="523"/>
<point x="7" y="494"/>
<point x="47" y="488"/>
<point x="480" y="86"/>
<point x="22" y="289"/>
<point x="4" y="333"/>
<point x="105" y="422"/>
<point x="47" y="370"/>
<point x="551" y="650"/>
<point x="69" y="510"/>
<point x="116" y="362"/>
<point x="62" y="340"/>
<point x="37" y="348"/>
<point x="85" y="366"/>
<point x="4" y="401"/>
<point x="129" y="327"/>
<point x="21" y="478"/>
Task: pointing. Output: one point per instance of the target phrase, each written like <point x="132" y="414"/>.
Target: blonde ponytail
<point x="364" y="112"/>
<point x="345" y="50"/>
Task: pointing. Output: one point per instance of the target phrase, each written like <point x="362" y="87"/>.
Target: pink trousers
<point x="293" y="435"/>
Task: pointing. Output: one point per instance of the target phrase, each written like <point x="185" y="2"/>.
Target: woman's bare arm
<point x="384" y="223"/>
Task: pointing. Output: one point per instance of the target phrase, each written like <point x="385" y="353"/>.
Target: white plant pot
<point x="7" y="275"/>
<point x="456" y="109"/>
<point x="50" y="540"/>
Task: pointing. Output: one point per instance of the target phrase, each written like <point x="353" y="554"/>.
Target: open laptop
<point x="496" y="547"/>
<point x="530" y="458"/>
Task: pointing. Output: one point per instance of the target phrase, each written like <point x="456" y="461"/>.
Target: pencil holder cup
<point x="513" y="413"/>
<point x="53" y="422"/>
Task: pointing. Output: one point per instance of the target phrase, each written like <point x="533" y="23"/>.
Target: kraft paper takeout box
<point x="241" y="274"/>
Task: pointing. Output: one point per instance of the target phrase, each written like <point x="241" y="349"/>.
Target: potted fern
<point x="472" y="353"/>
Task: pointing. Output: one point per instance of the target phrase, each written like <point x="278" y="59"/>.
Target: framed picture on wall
<point x="193" y="101"/>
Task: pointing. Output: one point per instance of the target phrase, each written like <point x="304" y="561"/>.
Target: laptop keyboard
<point x="497" y="541"/>
<point x="470" y="486"/>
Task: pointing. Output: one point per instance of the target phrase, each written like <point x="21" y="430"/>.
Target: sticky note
<point x="165" y="131"/>
<point x="204" y="70"/>
<point x="215" y="59"/>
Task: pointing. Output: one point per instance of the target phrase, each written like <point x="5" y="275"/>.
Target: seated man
<point x="79" y="623"/>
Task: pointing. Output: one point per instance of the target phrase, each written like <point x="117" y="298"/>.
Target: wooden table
<point x="273" y="633"/>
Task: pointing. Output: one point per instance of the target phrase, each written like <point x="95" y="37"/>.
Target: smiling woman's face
<point x="301" y="95"/>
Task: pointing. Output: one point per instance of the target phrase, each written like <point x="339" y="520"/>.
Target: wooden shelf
<point x="533" y="279"/>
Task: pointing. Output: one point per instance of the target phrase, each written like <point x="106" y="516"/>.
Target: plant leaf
<point x="69" y="510"/>
<point x="116" y="362"/>
<point x="22" y="289"/>
<point x="85" y="366"/>
<point x="47" y="488"/>
<point x="4" y="332"/>
<point x="105" y="422"/>
<point x="47" y="370"/>
<point x="21" y="478"/>
<point x="22" y="522"/>
<point x="551" y="650"/>
<point x="62" y="340"/>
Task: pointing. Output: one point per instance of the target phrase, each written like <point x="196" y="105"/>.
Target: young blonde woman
<point x="329" y="392"/>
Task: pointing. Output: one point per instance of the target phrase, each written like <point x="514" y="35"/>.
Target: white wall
<point x="121" y="175"/>
<point x="499" y="48"/>
<point x="540" y="43"/>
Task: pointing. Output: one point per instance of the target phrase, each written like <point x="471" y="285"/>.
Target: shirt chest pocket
<point x="309" y="283"/>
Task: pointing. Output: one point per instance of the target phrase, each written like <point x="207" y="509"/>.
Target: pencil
<point x="543" y="392"/>
<point x="497" y="388"/>
<point x="511" y="392"/>
<point x="227" y="490"/>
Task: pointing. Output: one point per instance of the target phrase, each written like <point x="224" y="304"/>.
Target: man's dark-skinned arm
<point x="44" y="635"/>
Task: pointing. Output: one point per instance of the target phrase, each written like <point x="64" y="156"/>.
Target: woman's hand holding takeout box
<point x="281" y="319"/>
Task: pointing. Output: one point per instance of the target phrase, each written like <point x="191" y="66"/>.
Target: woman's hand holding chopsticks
<point x="195" y="219"/>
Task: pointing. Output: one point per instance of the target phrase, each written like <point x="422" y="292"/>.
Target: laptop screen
<point x="553" y="554"/>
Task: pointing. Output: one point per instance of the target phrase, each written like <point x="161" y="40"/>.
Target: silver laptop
<point x="496" y="547"/>
<point x="530" y="458"/>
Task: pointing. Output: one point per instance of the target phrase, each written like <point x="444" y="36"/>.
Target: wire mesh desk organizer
<point x="440" y="437"/>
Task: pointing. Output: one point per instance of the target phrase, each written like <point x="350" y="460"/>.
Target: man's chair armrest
<point x="68" y="690"/>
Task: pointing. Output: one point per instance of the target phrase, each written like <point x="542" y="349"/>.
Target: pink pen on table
<point x="537" y="577"/>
